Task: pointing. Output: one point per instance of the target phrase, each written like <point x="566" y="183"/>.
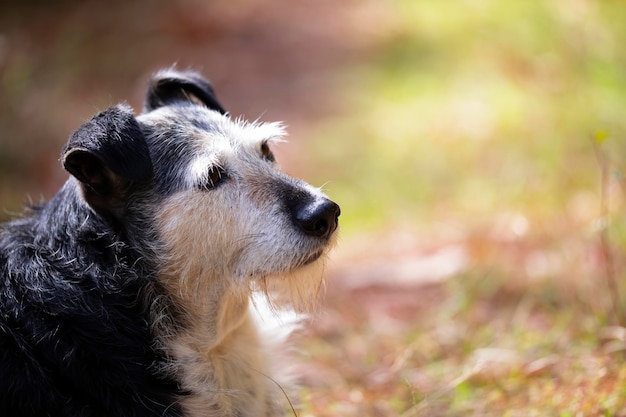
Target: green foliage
<point x="469" y="108"/>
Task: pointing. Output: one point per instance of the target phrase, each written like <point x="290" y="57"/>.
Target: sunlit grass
<point x="484" y="117"/>
<point x="477" y="107"/>
<point x="488" y="349"/>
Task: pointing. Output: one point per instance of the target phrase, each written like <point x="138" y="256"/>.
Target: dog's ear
<point x="170" y="85"/>
<point x="107" y="154"/>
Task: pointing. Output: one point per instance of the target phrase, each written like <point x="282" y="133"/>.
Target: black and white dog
<point x="133" y="291"/>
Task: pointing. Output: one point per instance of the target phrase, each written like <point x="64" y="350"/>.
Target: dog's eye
<point x="214" y="177"/>
<point x="266" y="152"/>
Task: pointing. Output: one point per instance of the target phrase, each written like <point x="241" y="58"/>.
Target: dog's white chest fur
<point x="232" y="377"/>
<point x="226" y="380"/>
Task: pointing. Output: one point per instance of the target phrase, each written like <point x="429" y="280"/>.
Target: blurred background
<point x="476" y="148"/>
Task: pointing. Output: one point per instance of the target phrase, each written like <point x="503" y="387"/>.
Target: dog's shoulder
<point x="73" y="328"/>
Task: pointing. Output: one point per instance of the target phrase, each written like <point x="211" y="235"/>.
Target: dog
<point x="140" y="288"/>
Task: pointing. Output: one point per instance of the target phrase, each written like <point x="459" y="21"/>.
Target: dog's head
<point x="201" y="192"/>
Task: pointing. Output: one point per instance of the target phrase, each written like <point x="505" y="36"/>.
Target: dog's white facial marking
<point x="228" y="233"/>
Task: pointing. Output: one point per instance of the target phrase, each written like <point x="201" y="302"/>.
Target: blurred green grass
<point x="472" y="108"/>
<point x="484" y="116"/>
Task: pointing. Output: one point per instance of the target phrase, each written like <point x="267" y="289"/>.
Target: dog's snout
<point x="319" y="218"/>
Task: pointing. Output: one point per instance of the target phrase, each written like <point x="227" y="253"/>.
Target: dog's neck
<point x="216" y="353"/>
<point x="212" y="308"/>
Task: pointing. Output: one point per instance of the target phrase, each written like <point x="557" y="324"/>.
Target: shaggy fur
<point x="135" y="290"/>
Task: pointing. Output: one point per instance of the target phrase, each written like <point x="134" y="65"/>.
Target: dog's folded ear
<point x="170" y="85"/>
<point x="108" y="153"/>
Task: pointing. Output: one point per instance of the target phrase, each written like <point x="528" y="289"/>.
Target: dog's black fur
<point x="76" y="284"/>
<point x="74" y="332"/>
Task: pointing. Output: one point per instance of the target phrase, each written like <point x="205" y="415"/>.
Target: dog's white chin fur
<point x="298" y="290"/>
<point x="279" y="307"/>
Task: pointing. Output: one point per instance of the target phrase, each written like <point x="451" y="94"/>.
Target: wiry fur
<point x="133" y="291"/>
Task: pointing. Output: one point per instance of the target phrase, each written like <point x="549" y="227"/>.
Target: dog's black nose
<point x="319" y="218"/>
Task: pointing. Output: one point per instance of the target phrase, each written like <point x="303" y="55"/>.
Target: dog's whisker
<point x="280" y="387"/>
<point x="321" y="187"/>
